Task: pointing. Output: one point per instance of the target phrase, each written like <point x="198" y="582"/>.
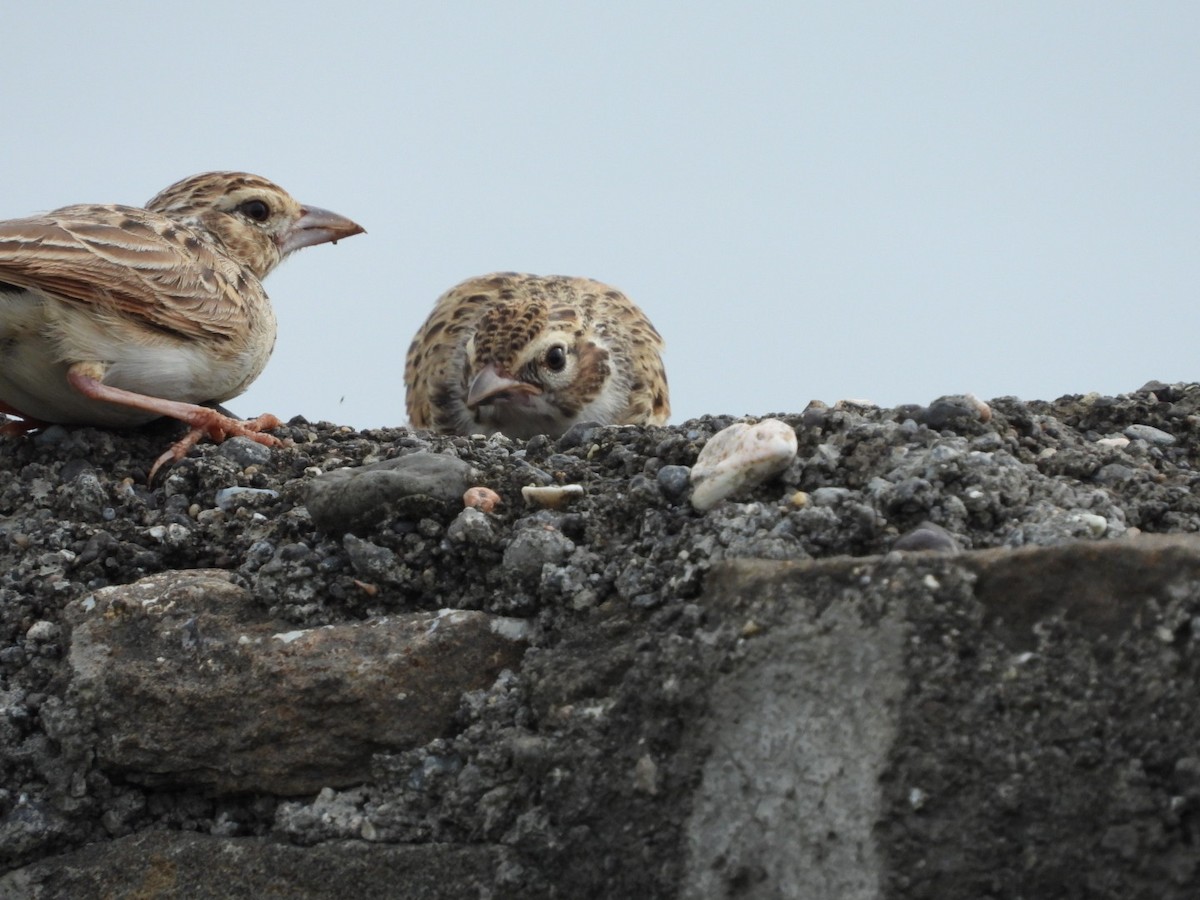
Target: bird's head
<point x="537" y="369"/>
<point x="254" y="220"/>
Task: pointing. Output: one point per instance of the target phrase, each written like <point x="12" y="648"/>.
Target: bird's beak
<point x="491" y="385"/>
<point x="317" y="226"/>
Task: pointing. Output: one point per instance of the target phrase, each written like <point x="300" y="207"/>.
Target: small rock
<point x="1096" y="525"/>
<point x="554" y="496"/>
<point x="533" y="548"/>
<point x="245" y="452"/>
<point x="471" y="526"/>
<point x="1149" y="434"/>
<point x="929" y="537"/>
<point x="578" y="435"/>
<point x="370" y="560"/>
<point x="946" y="412"/>
<point x="50" y="437"/>
<point x="1113" y="473"/>
<point x="41" y="632"/>
<point x="481" y="498"/>
<point x="739" y="458"/>
<point x="674" y="481"/>
<point x="815" y="414"/>
<point x="415" y="486"/>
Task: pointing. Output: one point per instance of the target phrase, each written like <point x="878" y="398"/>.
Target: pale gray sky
<point x="888" y="201"/>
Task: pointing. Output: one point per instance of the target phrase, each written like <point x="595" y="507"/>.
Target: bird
<point x="527" y="354"/>
<point x="114" y="315"/>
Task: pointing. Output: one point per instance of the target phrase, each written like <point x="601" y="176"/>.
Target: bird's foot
<point x="209" y="423"/>
<point x="20" y="423"/>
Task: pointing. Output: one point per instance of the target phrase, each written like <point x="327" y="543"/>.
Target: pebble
<point x="370" y="561"/>
<point x="533" y="548"/>
<point x="740" y="457"/>
<point x="49" y="437"/>
<point x="41" y="632"/>
<point x="471" y="526"/>
<point x="1114" y="473"/>
<point x="413" y="486"/>
<point x="674" y="480"/>
<point x="929" y="537"/>
<point x="578" y="435"/>
<point x="1096" y="525"/>
<point x="815" y="414"/>
<point x="481" y="498"/>
<point x="945" y="412"/>
<point x="551" y="496"/>
<point x="1149" y="434"/>
<point x="245" y="452"/>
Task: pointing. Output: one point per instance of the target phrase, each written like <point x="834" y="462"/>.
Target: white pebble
<point x="41" y="632"/>
<point x="739" y="458"/>
<point x="552" y="496"/>
<point x="1096" y="525"/>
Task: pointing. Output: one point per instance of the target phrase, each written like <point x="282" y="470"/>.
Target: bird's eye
<point x="256" y="210"/>
<point x="556" y="358"/>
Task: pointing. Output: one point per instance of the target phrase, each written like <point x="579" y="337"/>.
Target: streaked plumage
<point x="115" y="315"/>
<point x="530" y="354"/>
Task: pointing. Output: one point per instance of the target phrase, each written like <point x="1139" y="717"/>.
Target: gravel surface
<point x="631" y="555"/>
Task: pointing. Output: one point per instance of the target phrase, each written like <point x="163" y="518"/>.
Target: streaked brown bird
<point x="115" y="315"/>
<point x="529" y="354"/>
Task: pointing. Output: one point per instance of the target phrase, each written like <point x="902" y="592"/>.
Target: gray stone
<point x="413" y="486"/>
<point x="1150" y="435"/>
<point x="928" y="536"/>
<point x="372" y="562"/>
<point x="534" y="548"/>
<point x="184" y="866"/>
<point x="956" y="410"/>
<point x="245" y="452"/>
<point x="179" y="684"/>
<point x="29" y="826"/>
<point x="470" y="526"/>
<point x="674" y="481"/>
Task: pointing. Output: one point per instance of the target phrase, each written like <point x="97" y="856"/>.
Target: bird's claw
<point x="218" y="427"/>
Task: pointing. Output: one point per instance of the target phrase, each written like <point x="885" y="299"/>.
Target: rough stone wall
<point x="259" y="678"/>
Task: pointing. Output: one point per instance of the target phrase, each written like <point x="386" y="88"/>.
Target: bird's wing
<point x="131" y="263"/>
<point x="649" y="399"/>
<point x="649" y="395"/>
<point x="434" y="372"/>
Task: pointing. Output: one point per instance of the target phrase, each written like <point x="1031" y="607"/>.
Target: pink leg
<point x="202" y="420"/>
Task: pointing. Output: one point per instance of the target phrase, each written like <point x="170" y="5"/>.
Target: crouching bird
<point x="529" y="354"/>
<point x="115" y="315"/>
